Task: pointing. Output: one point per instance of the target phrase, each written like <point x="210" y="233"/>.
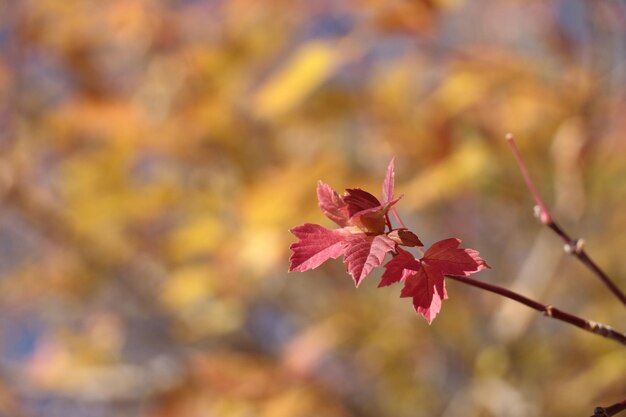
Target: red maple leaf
<point x="332" y="205"/>
<point x="361" y="237"/>
<point x="424" y="278"/>
<point x="317" y="244"/>
<point x="364" y="253"/>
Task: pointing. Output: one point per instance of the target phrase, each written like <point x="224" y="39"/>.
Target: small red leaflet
<point x="365" y="236"/>
<point x="424" y="278"/>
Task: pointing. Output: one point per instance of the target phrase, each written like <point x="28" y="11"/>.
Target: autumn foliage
<point x="365" y="237"/>
<point x="154" y="153"/>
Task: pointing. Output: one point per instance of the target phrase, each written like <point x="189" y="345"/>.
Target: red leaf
<point x="398" y="268"/>
<point x="427" y="288"/>
<point x="388" y="182"/>
<point x="405" y="237"/>
<point x="370" y="221"/>
<point x="446" y="256"/>
<point x="424" y="279"/>
<point x="331" y="204"/>
<point x="359" y="200"/>
<point x="316" y="245"/>
<point x="364" y="253"/>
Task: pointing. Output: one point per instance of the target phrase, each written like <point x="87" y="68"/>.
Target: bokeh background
<point x="154" y="154"/>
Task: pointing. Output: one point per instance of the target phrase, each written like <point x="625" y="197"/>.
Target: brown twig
<point x="610" y="410"/>
<point x="572" y="246"/>
<point x="548" y="310"/>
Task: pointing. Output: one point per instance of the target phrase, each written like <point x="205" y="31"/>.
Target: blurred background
<point x="154" y="154"/>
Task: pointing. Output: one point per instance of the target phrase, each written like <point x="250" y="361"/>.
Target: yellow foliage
<point x="197" y="237"/>
<point x="457" y="172"/>
<point x="293" y="402"/>
<point x="460" y="90"/>
<point x="186" y="286"/>
<point x="306" y="70"/>
<point x="261" y="249"/>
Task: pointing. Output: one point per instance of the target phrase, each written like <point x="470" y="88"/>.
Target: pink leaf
<point x="398" y="268"/>
<point x="359" y="200"/>
<point x="316" y="245"/>
<point x="331" y="204"/>
<point x="364" y="253"/>
<point x="388" y="182"/>
<point x="427" y="288"/>
<point x="446" y="256"/>
<point x="372" y="220"/>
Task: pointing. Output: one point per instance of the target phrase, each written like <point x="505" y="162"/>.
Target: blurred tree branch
<point x="548" y="310"/>
<point x="610" y="410"/>
<point x="574" y="247"/>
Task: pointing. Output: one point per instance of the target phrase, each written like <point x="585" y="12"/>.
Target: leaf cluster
<point x="366" y="235"/>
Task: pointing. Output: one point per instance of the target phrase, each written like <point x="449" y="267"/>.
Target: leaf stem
<point x="397" y="216"/>
<point x="548" y="310"/>
<point x="388" y="222"/>
<point x="572" y="246"/>
<point x="610" y="410"/>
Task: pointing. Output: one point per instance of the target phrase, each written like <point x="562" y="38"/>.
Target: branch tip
<point x="544" y="214"/>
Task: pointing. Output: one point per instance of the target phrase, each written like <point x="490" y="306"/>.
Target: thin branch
<point x="572" y="246"/>
<point x="544" y="214"/>
<point x="548" y="310"/>
<point x="609" y="411"/>
<point x="575" y="247"/>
